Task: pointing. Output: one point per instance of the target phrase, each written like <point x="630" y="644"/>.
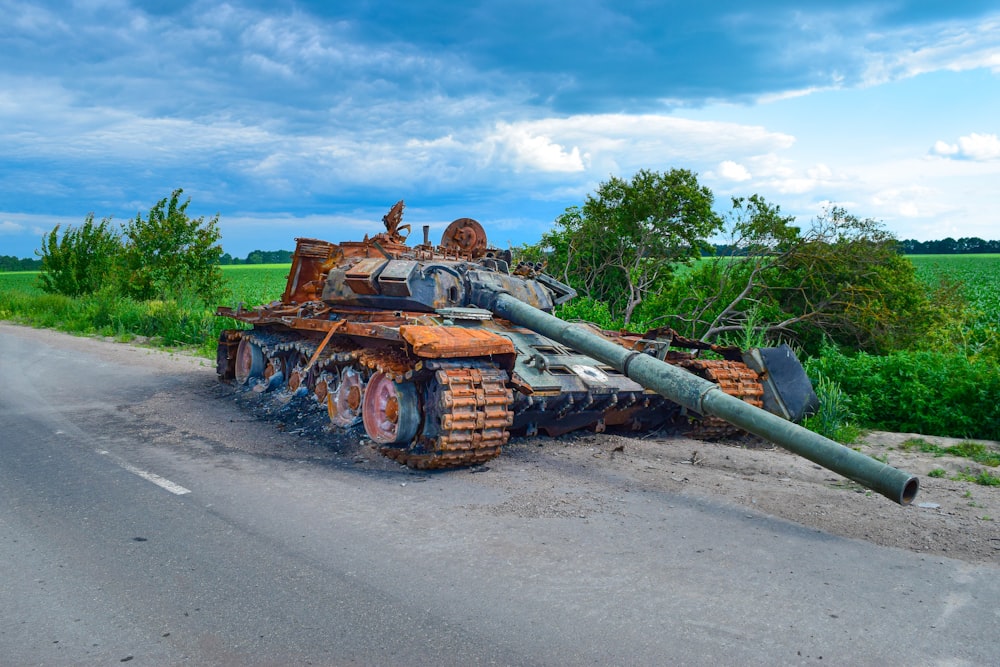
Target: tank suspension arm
<point x="707" y="398"/>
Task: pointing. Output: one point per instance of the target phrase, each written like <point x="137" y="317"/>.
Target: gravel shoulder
<point x="584" y="472"/>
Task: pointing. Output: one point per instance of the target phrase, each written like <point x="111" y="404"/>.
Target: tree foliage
<point x="168" y="253"/>
<point x="624" y="243"/>
<point x="841" y="279"/>
<point x="82" y="259"/>
<point x="165" y="255"/>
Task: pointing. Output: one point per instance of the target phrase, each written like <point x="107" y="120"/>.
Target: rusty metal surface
<point x="378" y="308"/>
<point x="733" y="377"/>
<point x="438" y="342"/>
<point x="465" y="236"/>
<point x="470" y="408"/>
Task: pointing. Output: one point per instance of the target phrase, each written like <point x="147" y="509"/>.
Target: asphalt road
<point x="125" y="540"/>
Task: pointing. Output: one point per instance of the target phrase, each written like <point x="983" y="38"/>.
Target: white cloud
<point x="943" y="148"/>
<point x="980" y="146"/>
<point x="784" y="177"/>
<point x="526" y="149"/>
<point x="622" y="144"/>
<point x="734" y="171"/>
<point x="954" y="46"/>
<point x="913" y="201"/>
<point x="976" y="147"/>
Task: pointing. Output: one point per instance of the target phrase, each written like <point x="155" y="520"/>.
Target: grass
<point x="967" y="449"/>
<point x="183" y="323"/>
<point x="983" y="477"/>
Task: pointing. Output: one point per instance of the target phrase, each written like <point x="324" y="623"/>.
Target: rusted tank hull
<point x="442" y="351"/>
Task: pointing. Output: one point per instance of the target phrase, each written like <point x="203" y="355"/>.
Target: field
<point x="979" y="273"/>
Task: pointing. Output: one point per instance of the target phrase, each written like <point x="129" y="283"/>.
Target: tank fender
<point x="439" y="342"/>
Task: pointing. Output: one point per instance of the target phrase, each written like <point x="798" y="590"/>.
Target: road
<point x="147" y="518"/>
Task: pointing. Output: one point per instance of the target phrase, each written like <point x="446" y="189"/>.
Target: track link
<point x="467" y="414"/>
<point x="736" y="379"/>
<point x="467" y="407"/>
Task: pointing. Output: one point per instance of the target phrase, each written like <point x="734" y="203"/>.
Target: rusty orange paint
<point x="440" y="342"/>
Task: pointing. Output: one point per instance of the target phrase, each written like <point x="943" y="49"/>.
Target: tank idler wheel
<point x="249" y="361"/>
<point x="391" y="411"/>
<point x="344" y="405"/>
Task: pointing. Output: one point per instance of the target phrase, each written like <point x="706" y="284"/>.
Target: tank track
<point x="471" y="410"/>
<point x="467" y="408"/>
<point x="736" y="379"/>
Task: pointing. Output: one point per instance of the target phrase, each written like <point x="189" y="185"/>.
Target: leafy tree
<point x="623" y="245"/>
<point x="169" y="254"/>
<point x="842" y="279"/>
<point x="82" y="259"/>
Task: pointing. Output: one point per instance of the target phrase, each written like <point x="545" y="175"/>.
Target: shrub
<point x="81" y="260"/>
<point x="934" y="393"/>
<point x="170" y="255"/>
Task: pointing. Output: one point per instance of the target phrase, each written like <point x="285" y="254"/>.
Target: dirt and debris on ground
<point x="583" y="472"/>
<point x="950" y="517"/>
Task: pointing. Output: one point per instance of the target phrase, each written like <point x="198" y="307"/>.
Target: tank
<point x="443" y="351"/>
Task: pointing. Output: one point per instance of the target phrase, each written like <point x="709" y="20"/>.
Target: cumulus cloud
<point x="733" y="171"/>
<point x="527" y="149"/>
<point x="976" y="147"/>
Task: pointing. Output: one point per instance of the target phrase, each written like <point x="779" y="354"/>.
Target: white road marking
<point x="161" y="482"/>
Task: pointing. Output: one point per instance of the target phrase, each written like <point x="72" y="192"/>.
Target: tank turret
<point x="442" y="351"/>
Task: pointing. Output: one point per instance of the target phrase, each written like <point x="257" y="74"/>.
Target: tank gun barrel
<point x="706" y="398"/>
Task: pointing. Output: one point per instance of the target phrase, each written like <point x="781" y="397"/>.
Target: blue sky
<point x="312" y="118"/>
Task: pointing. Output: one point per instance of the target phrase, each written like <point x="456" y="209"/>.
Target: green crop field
<point x="157" y="322"/>
<point x="256" y="284"/>
<point x="979" y="273"/>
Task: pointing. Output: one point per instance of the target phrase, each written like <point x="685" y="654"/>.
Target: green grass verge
<point x="183" y="323"/>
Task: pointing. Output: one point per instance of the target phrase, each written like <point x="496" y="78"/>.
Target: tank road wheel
<point x="298" y="378"/>
<point x="249" y="361"/>
<point x="391" y="411"/>
<point x="466" y="414"/>
<point x="325" y="384"/>
<point x="344" y="404"/>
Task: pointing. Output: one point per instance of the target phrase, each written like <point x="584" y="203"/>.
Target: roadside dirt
<point x="950" y="517"/>
<point x="583" y="472"/>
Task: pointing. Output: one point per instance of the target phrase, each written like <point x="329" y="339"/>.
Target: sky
<point x="311" y="119"/>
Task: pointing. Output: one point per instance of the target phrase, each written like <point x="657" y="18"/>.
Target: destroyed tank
<point x="443" y="351"/>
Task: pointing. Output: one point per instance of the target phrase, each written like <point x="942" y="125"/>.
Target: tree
<point x="624" y="243"/>
<point x="168" y="254"/>
<point x="82" y="259"/>
<point x="842" y="279"/>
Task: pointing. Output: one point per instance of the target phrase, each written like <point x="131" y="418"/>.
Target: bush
<point x="168" y="255"/>
<point x="928" y="392"/>
<point x="589" y="310"/>
<point x="80" y="261"/>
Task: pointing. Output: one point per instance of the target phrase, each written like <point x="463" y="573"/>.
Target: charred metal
<point x="442" y="351"/>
